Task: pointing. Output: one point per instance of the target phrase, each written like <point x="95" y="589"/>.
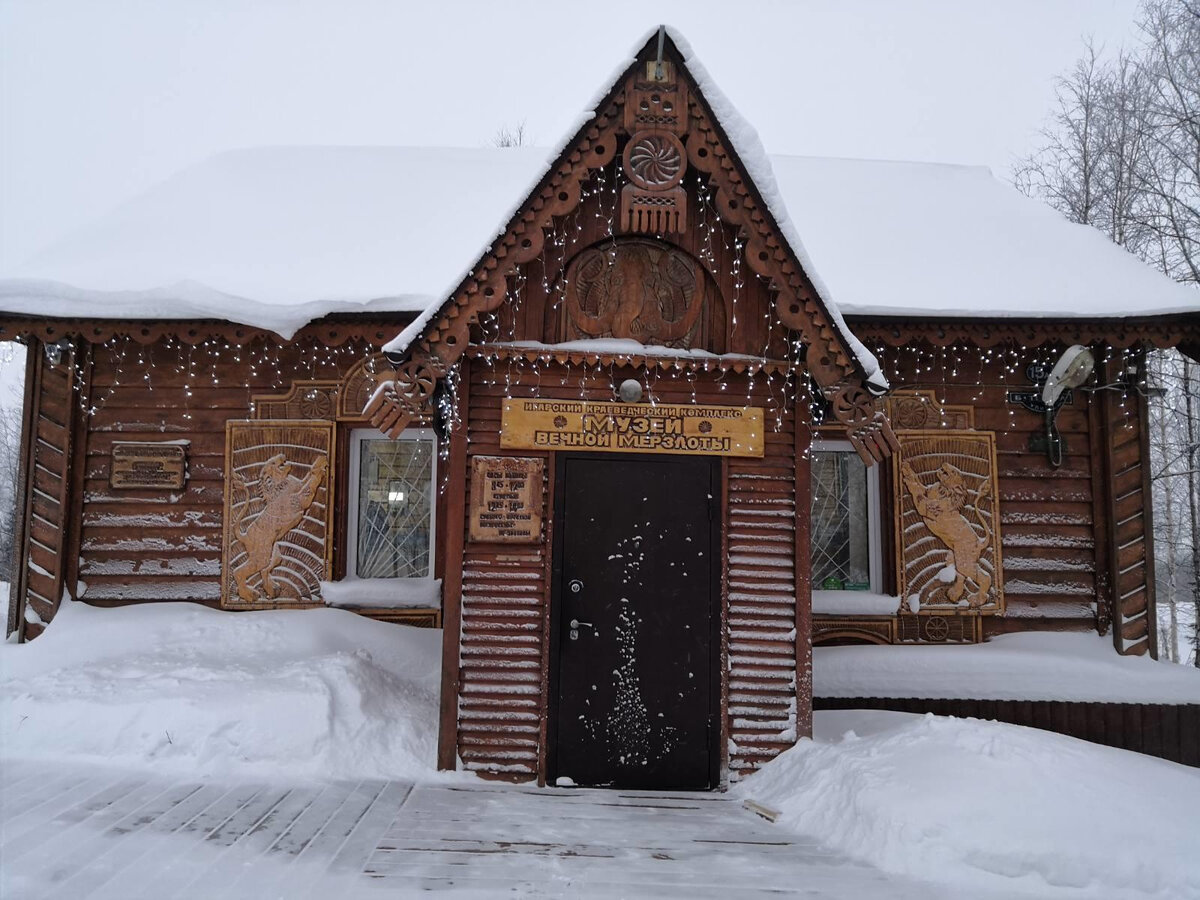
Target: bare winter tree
<point x="1121" y="152"/>
<point x="512" y="136"/>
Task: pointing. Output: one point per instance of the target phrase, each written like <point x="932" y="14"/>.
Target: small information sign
<point x="506" y="499"/>
<point x="148" y="465"/>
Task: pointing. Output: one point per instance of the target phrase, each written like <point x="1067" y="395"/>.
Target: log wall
<point x="132" y="545"/>
<point x="1069" y="534"/>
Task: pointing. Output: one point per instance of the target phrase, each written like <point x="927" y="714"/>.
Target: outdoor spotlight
<point x="630" y="391"/>
<point x="54" y="352"/>
<point x="1071" y="370"/>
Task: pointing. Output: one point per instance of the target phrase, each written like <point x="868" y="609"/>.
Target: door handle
<point x="575" y="623"/>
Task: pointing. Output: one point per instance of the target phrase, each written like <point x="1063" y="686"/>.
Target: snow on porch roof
<point x="277" y="237"/>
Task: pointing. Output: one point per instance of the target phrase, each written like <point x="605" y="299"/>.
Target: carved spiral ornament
<point x="654" y="160"/>
<point x="853" y="406"/>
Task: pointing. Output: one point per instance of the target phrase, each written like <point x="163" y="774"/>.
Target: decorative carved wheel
<point x="937" y="628"/>
<point x="853" y="406"/>
<point x="654" y="160"/>
<point x="415" y="380"/>
<point x="911" y="413"/>
<point x="317" y="404"/>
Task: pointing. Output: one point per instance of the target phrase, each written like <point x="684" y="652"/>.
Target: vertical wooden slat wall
<point x="51" y="419"/>
<point x="1130" y="559"/>
<point x="761" y="578"/>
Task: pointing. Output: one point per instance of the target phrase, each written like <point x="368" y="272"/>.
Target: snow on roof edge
<point x="749" y="149"/>
<point x="753" y="155"/>
<point x="185" y="300"/>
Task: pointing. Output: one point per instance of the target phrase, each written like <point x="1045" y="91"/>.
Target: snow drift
<point x="987" y="805"/>
<point x="282" y="693"/>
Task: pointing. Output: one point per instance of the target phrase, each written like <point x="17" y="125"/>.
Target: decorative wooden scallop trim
<point x="1161" y="332"/>
<point x="797" y="304"/>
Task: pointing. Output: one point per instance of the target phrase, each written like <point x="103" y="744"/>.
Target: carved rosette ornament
<point x="654" y="161"/>
<point x="405" y="396"/>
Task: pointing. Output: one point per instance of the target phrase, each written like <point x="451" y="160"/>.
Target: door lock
<point x="576" y="586"/>
<point x="573" y="634"/>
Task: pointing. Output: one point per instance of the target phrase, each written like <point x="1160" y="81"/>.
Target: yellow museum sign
<point x="632" y="427"/>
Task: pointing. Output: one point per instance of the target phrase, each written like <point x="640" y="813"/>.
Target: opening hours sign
<point x="535" y="424"/>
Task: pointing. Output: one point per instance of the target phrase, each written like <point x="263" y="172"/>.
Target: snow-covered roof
<point x="275" y="237"/>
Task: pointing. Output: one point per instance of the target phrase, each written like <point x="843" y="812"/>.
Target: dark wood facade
<point x="645" y="254"/>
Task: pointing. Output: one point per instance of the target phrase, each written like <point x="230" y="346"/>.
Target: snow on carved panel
<point x="278" y="513"/>
<point x="948" y="523"/>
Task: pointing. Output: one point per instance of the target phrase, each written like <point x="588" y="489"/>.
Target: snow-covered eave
<point x="34" y="301"/>
<point x="764" y="189"/>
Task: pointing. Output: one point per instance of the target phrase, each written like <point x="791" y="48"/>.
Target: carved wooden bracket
<point x="404" y="396"/>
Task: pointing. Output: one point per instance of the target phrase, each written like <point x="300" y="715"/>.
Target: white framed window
<point x="392" y="504"/>
<point x="846" y="553"/>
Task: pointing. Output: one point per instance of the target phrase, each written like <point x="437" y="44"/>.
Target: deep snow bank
<point x="321" y="692"/>
<point x="990" y="805"/>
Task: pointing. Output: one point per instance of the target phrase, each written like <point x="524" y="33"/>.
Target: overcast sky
<point x="100" y="100"/>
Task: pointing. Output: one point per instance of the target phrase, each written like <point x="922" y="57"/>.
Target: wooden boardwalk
<point x="98" y="833"/>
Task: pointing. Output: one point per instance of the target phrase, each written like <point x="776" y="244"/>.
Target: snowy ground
<point x="264" y="713"/>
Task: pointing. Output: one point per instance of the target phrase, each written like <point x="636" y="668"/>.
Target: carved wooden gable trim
<point x="660" y="114"/>
<point x="948" y="522"/>
<point x="917" y="409"/>
<point x="278" y="539"/>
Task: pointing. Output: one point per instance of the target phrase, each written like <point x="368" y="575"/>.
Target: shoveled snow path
<point x="94" y="832"/>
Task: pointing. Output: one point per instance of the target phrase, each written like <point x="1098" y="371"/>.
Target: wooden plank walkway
<point x="98" y="833"/>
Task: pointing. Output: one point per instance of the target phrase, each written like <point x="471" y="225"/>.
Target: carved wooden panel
<point x="278" y="535"/>
<point x="862" y="630"/>
<point x="911" y="410"/>
<point x="654" y="160"/>
<point x="947" y="523"/>
<point x="359" y="384"/>
<point x="939" y="629"/>
<point x="304" y="400"/>
<point x="639" y="290"/>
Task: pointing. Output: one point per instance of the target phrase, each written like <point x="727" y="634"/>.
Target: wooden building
<point x="636" y="461"/>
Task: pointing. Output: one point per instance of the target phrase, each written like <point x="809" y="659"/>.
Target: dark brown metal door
<point x="636" y="699"/>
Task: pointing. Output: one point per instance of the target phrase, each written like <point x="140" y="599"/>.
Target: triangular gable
<point x="664" y="101"/>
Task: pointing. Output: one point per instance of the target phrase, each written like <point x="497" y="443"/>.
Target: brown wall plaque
<point x="632" y="427"/>
<point x="148" y="465"/>
<point x="506" y="499"/>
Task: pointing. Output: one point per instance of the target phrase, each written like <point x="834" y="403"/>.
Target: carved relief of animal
<point x="940" y="506"/>
<point x="286" y="498"/>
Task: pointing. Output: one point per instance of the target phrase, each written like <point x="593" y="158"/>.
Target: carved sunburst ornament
<point x="654" y="160"/>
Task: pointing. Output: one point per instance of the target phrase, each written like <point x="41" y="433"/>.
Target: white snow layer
<point x="280" y="693"/>
<point x="1031" y="666"/>
<point x="275" y="237"/>
<point x="383" y="593"/>
<point x="990" y="806"/>
<point x="854" y="603"/>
